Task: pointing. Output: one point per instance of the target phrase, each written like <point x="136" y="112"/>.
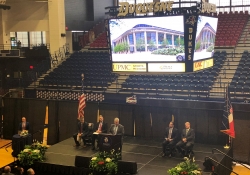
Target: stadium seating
<point x="197" y="83"/>
<point x="96" y="67"/>
<point x="241" y="80"/>
<point x="230" y="27"/>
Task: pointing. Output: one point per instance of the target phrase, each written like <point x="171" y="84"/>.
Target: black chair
<point x="88" y="138"/>
<point x="190" y="152"/>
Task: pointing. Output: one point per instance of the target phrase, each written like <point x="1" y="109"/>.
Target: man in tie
<point x="187" y="139"/>
<point x="82" y="131"/>
<point x="116" y="128"/>
<point x="100" y="127"/>
<point x="171" y="136"/>
<point x="24" y="125"/>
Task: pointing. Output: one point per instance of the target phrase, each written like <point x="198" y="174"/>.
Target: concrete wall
<point x="23" y="16"/>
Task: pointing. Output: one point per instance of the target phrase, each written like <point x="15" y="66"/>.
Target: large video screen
<point x="205" y="37"/>
<point x="147" y="39"/>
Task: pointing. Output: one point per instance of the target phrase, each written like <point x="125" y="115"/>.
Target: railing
<point x="210" y="158"/>
<point x="229" y="157"/>
<point x="23" y="46"/>
<point x="59" y="55"/>
<point x="92" y="34"/>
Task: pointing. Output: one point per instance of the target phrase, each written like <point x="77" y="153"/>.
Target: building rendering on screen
<point x="143" y="37"/>
<point x="206" y="37"/>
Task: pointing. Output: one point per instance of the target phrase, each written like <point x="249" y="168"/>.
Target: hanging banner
<point x="190" y="28"/>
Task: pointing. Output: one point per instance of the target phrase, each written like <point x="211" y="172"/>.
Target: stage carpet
<point x="146" y="152"/>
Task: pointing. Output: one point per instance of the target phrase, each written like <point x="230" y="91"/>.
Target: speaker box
<point x="210" y="164"/>
<point x="81" y="161"/>
<point x="127" y="167"/>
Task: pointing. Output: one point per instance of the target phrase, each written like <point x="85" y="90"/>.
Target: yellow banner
<point x="199" y="65"/>
<point x="129" y="67"/>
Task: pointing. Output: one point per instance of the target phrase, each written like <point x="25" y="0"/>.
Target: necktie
<point x="81" y="128"/>
<point x="115" y="130"/>
<point x="187" y="131"/>
<point x="169" y="133"/>
<point x="100" y="127"/>
<point x="23" y="126"/>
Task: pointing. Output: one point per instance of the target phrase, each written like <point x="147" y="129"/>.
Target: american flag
<point x="227" y="121"/>
<point x="82" y="105"/>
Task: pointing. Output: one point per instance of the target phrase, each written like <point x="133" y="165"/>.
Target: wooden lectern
<point x="107" y="142"/>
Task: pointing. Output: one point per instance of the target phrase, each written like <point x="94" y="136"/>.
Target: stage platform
<point x="146" y="152"/>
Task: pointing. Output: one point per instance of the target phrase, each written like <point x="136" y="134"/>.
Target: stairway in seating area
<point x="117" y="84"/>
<point x="225" y="75"/>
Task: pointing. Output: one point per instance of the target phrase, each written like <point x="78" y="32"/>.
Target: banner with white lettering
<point x="190" y="28"/>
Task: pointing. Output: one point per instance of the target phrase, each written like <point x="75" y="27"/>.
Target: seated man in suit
<point x="116" y="128"/>
<point x="187" y="139"/>
<point x="100" y="127"/>
<point x="171" y="136"/>
<point x="24" y="125"/>
<point x="82" y="131"/>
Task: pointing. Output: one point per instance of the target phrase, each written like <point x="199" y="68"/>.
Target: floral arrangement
<point x="24" y="133"/>
<point x="105" y="163"/>
<point x="32" y="153"/>
<point x="188" y="167"/>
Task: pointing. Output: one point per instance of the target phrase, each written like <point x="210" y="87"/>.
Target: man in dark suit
<point x="187" y="139"/>
<point x="82" y="131"/>
<point x="116" y="128"/>
<point x="24" y="125"/>
<point x="100" y="127"/>
<point x="171" y="136"/>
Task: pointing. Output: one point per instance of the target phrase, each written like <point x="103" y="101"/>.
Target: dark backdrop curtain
<point x="53" y="126"/>
<point x="15" y="109"/>
<point x="241" y="143"/>
<point x="67" y="115"/>
<point x="204" y="117"/>
<point x="10" y="122"/>
<point x="126" y="118"/>
<point x="109" y="112"/>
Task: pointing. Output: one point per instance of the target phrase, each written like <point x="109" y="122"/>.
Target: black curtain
<point x="126" y="118"/>
<point x="36" y="110"/>
<point x="15" y="109"/>
<point x="67" y="115"/>
<point x="10" y="122"/>
<point x="53" y="126"/>
<point x="110" y="112"/>
<point x="241" y="143"/>
<point x="90" y="112"/>
<point x="204" y="117"/>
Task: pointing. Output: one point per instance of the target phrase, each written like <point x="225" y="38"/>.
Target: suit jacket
<point x="104" y="127"/>
<point x="7" y="174"/>
<point x="190" y="136"/>
<point x="120" y="129"/>
<point x="85" y="128"/>
<point x="174" y="134"/>
<point x="27" y="126"/>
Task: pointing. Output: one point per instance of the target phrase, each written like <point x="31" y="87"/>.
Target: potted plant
<point x="188" y="167"/>
<point x="105" y="163"/>
<point x="32" y="153"/>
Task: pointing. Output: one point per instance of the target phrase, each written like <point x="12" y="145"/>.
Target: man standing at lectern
<point x="187" y="139"/>
<point x="24" y="125"/>
<point x="171" y="136"/>
<point x="116" y="128"/>
<point x="100" y="127"/>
